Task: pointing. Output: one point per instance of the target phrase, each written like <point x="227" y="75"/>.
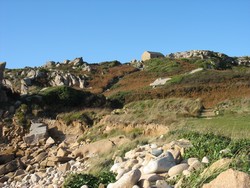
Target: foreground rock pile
<point x="153" y="166"/>
<point x="41" y="165"/>
<point x="47" y="163"/>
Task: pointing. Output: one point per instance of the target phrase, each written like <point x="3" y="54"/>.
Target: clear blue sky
<point x="35" y="31"/>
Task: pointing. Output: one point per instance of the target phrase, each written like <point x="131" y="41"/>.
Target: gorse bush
<point x="77" y="180"/>
<point x="21" y="116"/>
<point x="67" y="96"/>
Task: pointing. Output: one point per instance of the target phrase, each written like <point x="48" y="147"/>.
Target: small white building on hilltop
<point x="149" y="55"/>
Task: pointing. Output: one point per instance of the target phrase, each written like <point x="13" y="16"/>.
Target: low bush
<point x="77" y="180"/>
<point x="67" y="96"/>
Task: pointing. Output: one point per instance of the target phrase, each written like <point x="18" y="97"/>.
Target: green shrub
<point x="77" y="180"/>
<point x="118" y="100"/>
<point x="21" y="116"/>
<point x="67" y="96"/>
<point x="109" y="64"/>
<point x="162" y="65"/>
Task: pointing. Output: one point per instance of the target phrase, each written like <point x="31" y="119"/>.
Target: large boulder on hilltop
<point x="77" y="61"/>
<point x="49" y="64"/>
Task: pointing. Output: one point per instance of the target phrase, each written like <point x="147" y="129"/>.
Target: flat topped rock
<point x="38" y="131"/>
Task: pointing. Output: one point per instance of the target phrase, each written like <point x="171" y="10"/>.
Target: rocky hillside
<point x="126" y="125"/>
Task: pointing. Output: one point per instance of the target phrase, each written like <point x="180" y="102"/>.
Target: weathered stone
<point x="186" y="173"/>
<point x="19" y="172"/>
<point x="10" y="166"/>
<point x="218" y="165"/>
<point x="156" y="152"/>
<point x="50" y="141"/>
<point x="143" y="183"/>
<point x="151" y="177"/>
<point x="162" y="184"/>
<point x="3" y="179"/>
<point x="128" y="180"/>
<point x="38" y="131"/>
<point x="62" y="152"/>
<point x="196" y="165"/>
<point x="160" y="164"/>
<point x="230" y="179"/>
<point x="205" y="160"/>
<point x="64" y="167"/>
<point x="190" y="161"/>
<point x="34" y="178"/>
<point x="6" y="157"/>
<point x="40" y="156"/>
<point x="135" y="186"/>
<point x="84" y="186"/>
<point x="178" y="169"/>
<point x="50" y="64"/>
<point x="121" y="172"/>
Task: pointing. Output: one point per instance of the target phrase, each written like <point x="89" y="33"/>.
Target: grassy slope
<point x="234" y="126"/>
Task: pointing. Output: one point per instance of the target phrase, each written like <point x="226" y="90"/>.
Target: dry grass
<point x="157" y="111"/>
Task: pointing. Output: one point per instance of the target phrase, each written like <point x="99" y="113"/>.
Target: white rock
<point x="196" y="165"/>
<point x="153" y="146"/>
<point x="34" y="178"/>
<point x="191" y="160"/>
<point x="120" y="173"/>
<point x="162" y="184"/>
<point x="225" y="151"/>
<point x="205" y="160"/>
<point x="186" y="173"/>
<point x="50" y="141"/>
<point x="128" y="180"/>
<point x="84" y="186"/>
<point x="135" y="186"/>
<point x="160" y="164"/>
<point x="151" y="177"/>
<point x="115" y="167"/>
<point x="178" y="169"/>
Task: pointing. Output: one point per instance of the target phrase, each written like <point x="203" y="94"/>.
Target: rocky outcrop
<point x="245" y="61"/>
<point x="202" y="54"/>
<point x="216" y="59"/>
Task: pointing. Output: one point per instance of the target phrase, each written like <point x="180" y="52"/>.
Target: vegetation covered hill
<point x="95" y="113"/>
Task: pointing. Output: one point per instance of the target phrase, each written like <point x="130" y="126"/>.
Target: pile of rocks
<point x="39" y="165"/>
<point x="149" y="165"/>
<point x="153" y="166"/>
